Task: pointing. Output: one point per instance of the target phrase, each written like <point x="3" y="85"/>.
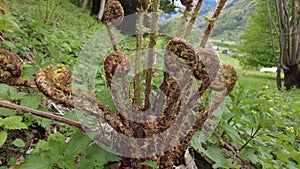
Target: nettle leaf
<point x="7" y="112"/>
<point x="78" y="143"/>
<point x="96" y="156"/>
<point x="4" y="94"/>
<point x="31" y="101"/>
<point x="41" y="146"/>
<point x="28" y="70"/>
<point x="57" y="143"/>
<point x="13" y="123"/>
<point x="149" y="163"/>
<point x="36" y="161"/>
<point x="72" y="115"/>
<point x="19" y="143"/>
<point x="15" y="95"/>
<point x="3" y="137"/>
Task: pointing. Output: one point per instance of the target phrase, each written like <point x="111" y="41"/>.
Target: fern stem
<point x="182" y="23"/>
<point x="151" y="53"/>
<point x="211" y="26"/>
<point x="112" y="37"/>
<point x="138" y="64"/>
<point x="193" y="18"/>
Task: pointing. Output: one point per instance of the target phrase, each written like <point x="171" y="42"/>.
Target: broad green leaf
<point x="97" y="155"/>
<point x="249" y="154"/>
<point x="283" y="137"/>
<point x="14" y="122"/>
<point x="149" y="163"/>
<point x="19" y="143"/>
<point x="44" y="122"/>
<point x="15" y="95"/>
<point x="41" y="146"/>
<point x="105" y="97"/>
<point x="7" y="112"/>
<point x="31" y="101"/>
<point x="28" y="70"/>
<point x="3" y="137"/>
<point x="36" y="161"/>
<point x="3" y="88"/>
<point x="72" y="115"/>
<point x="57" y="143"/>
<point x="4" y="94"/>
<point x="233" y="133"/>
<point x="78" y="143"/>
<point x="215" y="153"/>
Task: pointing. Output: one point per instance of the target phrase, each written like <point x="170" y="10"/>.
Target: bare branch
<point x="40" y="114"/>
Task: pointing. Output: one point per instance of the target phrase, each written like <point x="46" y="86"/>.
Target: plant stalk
<point x="251" y="138"/>
<point x="182" y="23"/>
<point x="138" y="64"/>
<point x="211" y="26"/>
<point x="151" y="53"/>
<point x="40" y="114"/>
<point x="112" y="37"/>
<point x="193" y="18"/>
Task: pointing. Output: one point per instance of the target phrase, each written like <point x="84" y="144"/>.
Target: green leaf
<point x="31" y="101"/>
<point x="38" y="57"/>
<point x="97" y="156"/>
<point x="249" y="154"/>
<point x="19" y="143"/>
<point x="15" y="95"/>
<point x="3" y="137"/>
<point x="4" y="95"/>
<point x="78" y="143"/>
<point x="7" y="112"/>
<point x="221" y="161"/>
<point x="41" y="146"/>
<point x="57" y="144"/>
<point x="233" y="133"/>
<point x="149" y="163"/>
<point x="8" y="44"/>
<point x="256" y="101"/>
<point x="105" y="97"/>
<point x="36" y="161"/>
<point x="72" y="115"/>
<point x="28" y="70"/>
<point x="14" y="122"/>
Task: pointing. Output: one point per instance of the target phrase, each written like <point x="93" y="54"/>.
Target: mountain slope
<point x="232" y="21"/>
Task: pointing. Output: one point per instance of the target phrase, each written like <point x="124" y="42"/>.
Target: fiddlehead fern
<point x="11" y="69"/>
<point x="116" y="64"/>
<point x="54" y="82"/>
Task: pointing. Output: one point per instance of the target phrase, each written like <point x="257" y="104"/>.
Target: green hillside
<point x="232" y="21"/>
